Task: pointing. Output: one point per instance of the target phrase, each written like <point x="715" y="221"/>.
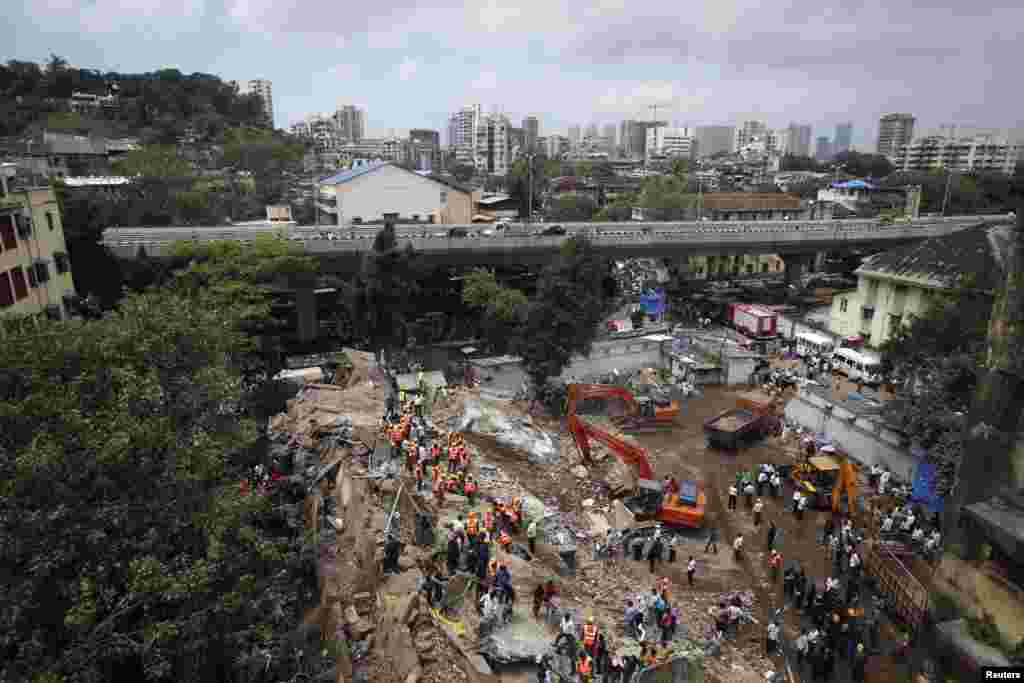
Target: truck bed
<point x="732" y="421"/>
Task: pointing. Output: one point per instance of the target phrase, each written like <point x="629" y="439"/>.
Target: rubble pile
<point x="634" y="276"/>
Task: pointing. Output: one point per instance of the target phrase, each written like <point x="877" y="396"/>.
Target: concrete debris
<point x="580" y="472"/>
<point x="589" y="502"/>
<point x="509" y="432"/>
<point x="520" y="641"/>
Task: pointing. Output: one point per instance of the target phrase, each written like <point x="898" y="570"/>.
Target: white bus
<point x="857" y="366"/>
<point x="810" y="344"/>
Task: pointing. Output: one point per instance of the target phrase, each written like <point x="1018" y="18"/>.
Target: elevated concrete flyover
<point x="792" y="239"/>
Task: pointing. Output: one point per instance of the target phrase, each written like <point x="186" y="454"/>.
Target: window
<point x="843" y="305"/>
<point x="6" y="293"/>
<point x="7" y="234"/>
<point x="444" y="198"/>
<point x="49" y="220"/>
<point x="61" y="262"/>
<point x="18" y="281"/>
<point x="868" y="313"/>
<point x="42" y="269"/>
<point x="750" y="268"/>
<point x="764" y="267"/>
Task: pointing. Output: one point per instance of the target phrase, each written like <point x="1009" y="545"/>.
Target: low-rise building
<point x="983" y="152"/>
<point x="35" y="269"/>
<point x="895" y="286"/>
<point x="379" y="190"/>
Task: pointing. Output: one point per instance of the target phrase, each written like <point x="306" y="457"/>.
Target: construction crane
<point x="643" y="414"/>
<point x="649" y="500"/>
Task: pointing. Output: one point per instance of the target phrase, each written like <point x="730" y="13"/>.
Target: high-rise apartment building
<point x="670" y="142"/>
<point x="263" y="88"/>
<point x="894" y="131"/>
<point x="748" y="133"/>
<point x="712" y="140"/>
<point x="350" y="122"/>
<point x="843" y="138"/>
<point x="574" y="136"/>
<point x="992" y="152"/>
<point x="424" y="149"/>
<point x="823" y="149"/>
<point x="491" y="149"/>
<point x="461" y="133"/>
<point x="798" y="141"/>
<point x="531" y="131"/>
<point x="608" y="135"/>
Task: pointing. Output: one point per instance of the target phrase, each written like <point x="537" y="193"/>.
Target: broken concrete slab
<point x="522" y="640"/>
<point x="509" y="432"/>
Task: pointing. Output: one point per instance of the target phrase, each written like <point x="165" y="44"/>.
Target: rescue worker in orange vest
<point x="435" y="474"/>
<point x="471" y="525"/>
<point x="470" y="490"/>
<point x="410" y="455"/>
<point x="419" y="477"/>
<point x="589" y="636"/>
<point x="584" y="668"/>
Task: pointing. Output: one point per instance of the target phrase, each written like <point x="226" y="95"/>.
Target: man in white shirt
<point x="800" y="507"/>
<point x="732" y="496"/>
<point x="691" y="569"/>
<point x="758" y="508"/>
<point x="908" y="523"/>
<point x="762" y="479"/>
<point x="796" y="500"/>
<point x="918" y="535"/>
<point x="883" y="481"/>
<point x="776" y="482"/>
<point x="772" y="641"/>
<point x="737" y="547"/>
<point x="887" y="524"/>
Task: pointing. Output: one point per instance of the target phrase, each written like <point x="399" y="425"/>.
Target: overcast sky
<point x="411" y="62"/>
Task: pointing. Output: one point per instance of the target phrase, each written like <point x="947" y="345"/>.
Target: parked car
<point x="552" y="230"/>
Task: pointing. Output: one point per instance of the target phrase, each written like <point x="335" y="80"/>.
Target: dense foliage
<point x="158" y="106"/>
<point x="499" y="307"/>
<point x="129" y="552"/>
<point x="968" y="193"/>
<point x="861" y="165"/>
<point x="937" y="358"/>
<point x="383" y="295"/>
<point x="572" y="299"/>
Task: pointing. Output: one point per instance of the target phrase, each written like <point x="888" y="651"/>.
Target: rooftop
<point x="980" y="251"/>
<point x="365" y="169"/>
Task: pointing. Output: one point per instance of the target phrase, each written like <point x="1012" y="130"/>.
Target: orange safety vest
<point x="435" y="473"/>
<point x="492" y="568"/>
<point x="471" y="525"/>
<point x="584" y="666"/>
<point x="589" y="635"/>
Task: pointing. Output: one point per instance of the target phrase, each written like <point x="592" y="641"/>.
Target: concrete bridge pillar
<point x="797" y="265"/>
<point x="305" y="308"/>
<point x="819" y="262"/>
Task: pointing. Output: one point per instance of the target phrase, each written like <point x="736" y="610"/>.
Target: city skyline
<point x="809" y="63"/>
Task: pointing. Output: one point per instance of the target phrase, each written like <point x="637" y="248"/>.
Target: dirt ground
<point x="601" y="587"/>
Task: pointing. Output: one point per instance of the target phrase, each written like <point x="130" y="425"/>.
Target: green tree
<point x="384" y="291"/>
<point x="500" y="307"/>
<point x="862" y="165"/>
<point x="572" y="207"/>
<point x="792" y="162"/>
<point x="667" y="196"/>
<point x="153" y="161"/>
<point x="563" y="318"/>
<point x="130" y="553"/>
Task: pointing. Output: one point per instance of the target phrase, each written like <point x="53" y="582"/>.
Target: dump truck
<point x="737" y="427"/>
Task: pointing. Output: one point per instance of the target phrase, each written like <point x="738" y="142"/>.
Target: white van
<point x="810" y="344"/>
<point x="857" y="366"/>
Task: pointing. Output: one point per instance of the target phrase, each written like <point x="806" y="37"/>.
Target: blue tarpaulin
<point x="653" y="302"/>
<point x="924" y="487"/>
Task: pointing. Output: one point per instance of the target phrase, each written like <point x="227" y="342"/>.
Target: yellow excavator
<point x="820" y="475"/>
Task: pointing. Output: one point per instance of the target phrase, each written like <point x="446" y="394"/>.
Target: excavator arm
<point x="846" y="481"/>
<point x="628" y="453"/>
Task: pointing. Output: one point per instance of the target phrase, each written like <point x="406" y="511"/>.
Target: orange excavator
<point x="644" y="413"/>
<point x="649" y="501"/>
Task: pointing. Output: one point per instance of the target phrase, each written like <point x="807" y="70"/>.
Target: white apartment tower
<point x="748" y="132"/>
<point x="480" y="139"/>
<point x="263" y="88"/>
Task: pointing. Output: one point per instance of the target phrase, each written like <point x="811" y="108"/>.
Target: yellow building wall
<point x="44" y="242"/>
<point x="906" y="298"/>
<point x="702" y="267"/>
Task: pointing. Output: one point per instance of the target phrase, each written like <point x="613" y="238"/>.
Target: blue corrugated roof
<point x="345" y="176"/>
<point x="855" y="185"/>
